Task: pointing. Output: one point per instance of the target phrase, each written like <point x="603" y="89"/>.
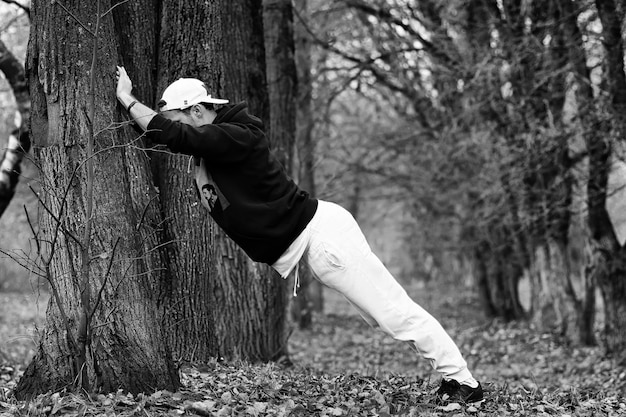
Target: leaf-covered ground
<point x="342" y="367"/>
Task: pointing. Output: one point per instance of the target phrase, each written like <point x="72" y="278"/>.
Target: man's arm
<point x="140" y="113"/>
<point x="222" y="142"/>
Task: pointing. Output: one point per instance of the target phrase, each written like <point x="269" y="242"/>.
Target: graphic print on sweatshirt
<point x="210" y="194"/>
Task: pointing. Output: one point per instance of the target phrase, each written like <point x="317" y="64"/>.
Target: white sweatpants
<point x="340" y="257"/>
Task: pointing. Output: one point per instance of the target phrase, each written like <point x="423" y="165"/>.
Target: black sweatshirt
<point x="250" y="195"/>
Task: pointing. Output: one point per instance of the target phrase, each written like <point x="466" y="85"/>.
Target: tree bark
<point x="281" y="78"/>
<point x="284" y="95"/>
<point x="311" y="296"/>
<point x="69" y="72"/>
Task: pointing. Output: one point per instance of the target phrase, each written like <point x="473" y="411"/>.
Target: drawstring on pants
<point x="189" y="165"/>
<point x="296" y="280"/>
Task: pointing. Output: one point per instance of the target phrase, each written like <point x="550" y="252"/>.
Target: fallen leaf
<point x="224" y="411"/>
<point x="227" y="397"/>
<point x="202" y="408"/>
<point x="450" y="407"/>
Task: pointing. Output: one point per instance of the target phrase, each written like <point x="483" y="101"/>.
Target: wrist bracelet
<point x="131" y="105"/>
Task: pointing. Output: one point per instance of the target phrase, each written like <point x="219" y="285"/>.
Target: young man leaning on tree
<point x="252" y="199"/>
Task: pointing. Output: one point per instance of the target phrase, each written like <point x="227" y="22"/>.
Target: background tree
<point x="310" y="296"/>
<point x="483" y="103"/>
<point x="19" y="142"/>
<point x="607" y="264"/>
<point x="288" y="87"/>
<point x="14" y="231"/>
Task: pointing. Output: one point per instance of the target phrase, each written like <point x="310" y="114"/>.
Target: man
<point x="209" y="196"/>
<point x="275" y="222"/>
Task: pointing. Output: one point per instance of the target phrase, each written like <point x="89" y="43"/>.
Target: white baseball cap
<point x="185" y="92"/>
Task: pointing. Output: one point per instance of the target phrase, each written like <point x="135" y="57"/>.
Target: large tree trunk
<point x="281" y="78"/>
<point x="282" y="82"/>
<point x="72" y="86"/>
<point x="580" y="297"/>
<point x="502" y="250"/>
<point x="498" y="274"/>
<point x="310" y="296"/>
<point x="222" y="303"/>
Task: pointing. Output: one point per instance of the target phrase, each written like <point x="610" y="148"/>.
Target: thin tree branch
<point x="85" y="319"/>
<point x="114" y="6"/>
<point x="66" y="321"/>
<point x="60" y="3"/>
<point x="104" y="282"/>
<point x="32" y="229"/>
<point x="24" y="261"/>
<point x="145" y="211"/>
<point x="56" y="219"/>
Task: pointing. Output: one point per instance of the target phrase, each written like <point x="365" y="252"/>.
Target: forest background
<point x="480" y="146"/>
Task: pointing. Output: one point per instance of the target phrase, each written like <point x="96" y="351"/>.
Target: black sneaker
<point x="453" y="392"/>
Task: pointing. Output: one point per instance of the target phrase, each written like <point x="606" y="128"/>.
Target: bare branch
<point x="57" y="219"/>
<point x="24" y="261"/>
<point x="57" y="298"/>
<point x="145" y="211"/>
<point x="104" y="282"/>
<point x="32" y="229"/>
<point x="60" y="3"/>
<point x="114" y="6"/>
<point x="83" y="331"/>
